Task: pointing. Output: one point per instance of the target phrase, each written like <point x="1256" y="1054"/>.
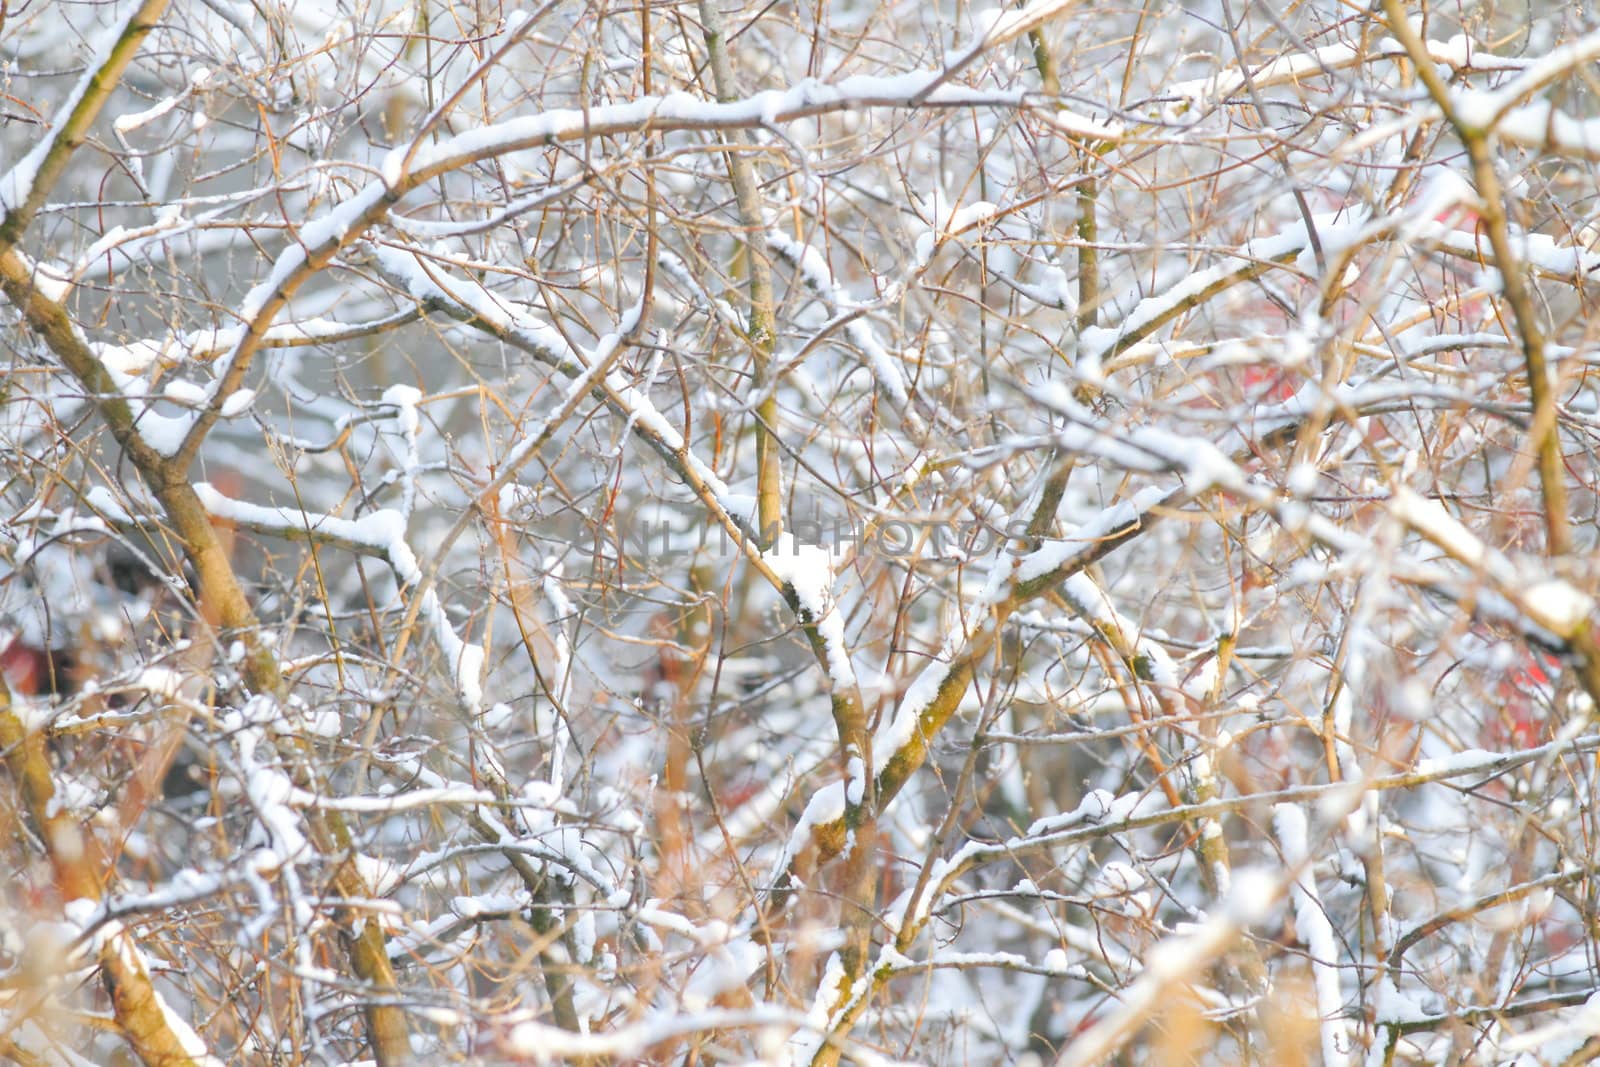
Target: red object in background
<point x="736" y="794"/>
<point x="32" y="672"/>
<point x="26" y="669"/>
<point x="1268" y="382"/>
<point x="1525" y="694"/>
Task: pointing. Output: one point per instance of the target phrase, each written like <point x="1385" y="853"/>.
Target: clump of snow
<point x="1311" y="922"/>
<point x="1120" y="882"/>
<point x="237" y="403"/>
<point x="405" y="398"/>
<point x="1456" y="762"/>
<point x="808" y="570"/>
<point x="186" y="393"/>
<point x="970" y="216"/>
<point x="1559" y="604"/>
<point x="381" y="876"/>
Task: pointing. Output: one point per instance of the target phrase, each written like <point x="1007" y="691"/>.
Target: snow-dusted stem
<point x="915" y="913"/>
<point x="646" y="424"/>
<point x="1313" y="927"/>
<point x="1212" y="846"/>
<point x="1543" y="434"/>
<point x="808" y="580"/>
<point x="763" y="323"/>
<point x="1088" y="227"/>
<point x="156" y="1034"/>
<point x="221" y="598"/>
<point x="1339" y="795"/>
<point x="220" y="591"/>
<point x="24" y="187"/>
<point x="1549" y="602"/>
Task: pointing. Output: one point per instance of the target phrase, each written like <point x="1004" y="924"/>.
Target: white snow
<point x="1558" y="605"/>
<point x="16" y="184"/>
<point x="317" y="238"/>
<point x="899" y="729"/>
<point x="1484" y="109"/>
<point x="1551" y="602"/>
<point x="808" y="570"/>
<point x="127" y="123"/>
<point x="826" y="804"/>
<point x="186" y="393"/>
<point x="1560" y="1039"/>
<point x="406" y="398"/>
<point x="818" y="276"/>
<point x="1052" y="555"/>
<point x="1149" y="312"/>
<point x="1097" y="808"/>
<point x="238" y="403"/>
<point x="163" y="433"/>
<point x="1458" y="762"/>
<point x="970" y="216"/>
<point x="631" y="1041"/>
<point x="1313" y="927"/>
<point x="381" y="534"/>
